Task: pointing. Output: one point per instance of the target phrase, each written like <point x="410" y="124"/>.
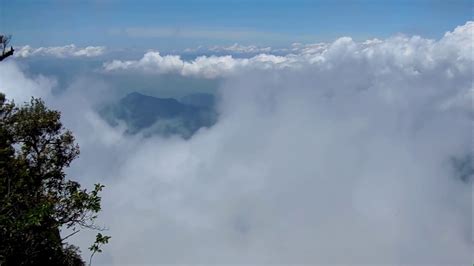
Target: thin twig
<point x="71" y="234"/>
<point x="90" y="259"/>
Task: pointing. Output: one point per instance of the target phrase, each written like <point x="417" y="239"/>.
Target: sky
<point x="340" y="127"/>
<point x="168" y="25"/>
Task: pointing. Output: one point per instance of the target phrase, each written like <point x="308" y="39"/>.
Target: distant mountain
<point x="163" y="116"/>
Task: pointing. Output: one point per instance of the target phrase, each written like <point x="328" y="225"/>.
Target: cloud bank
<point x="405" y="49"/>
<point x="70" y="50"/>
<point x="339" y="154"/>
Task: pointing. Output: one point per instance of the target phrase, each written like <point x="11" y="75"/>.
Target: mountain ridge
<point x="162" y="116"/>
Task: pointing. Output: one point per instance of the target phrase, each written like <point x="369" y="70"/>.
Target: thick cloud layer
<point x="339" y="154"/>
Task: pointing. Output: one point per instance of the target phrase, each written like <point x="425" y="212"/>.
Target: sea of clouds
<point x="337" y="153"/>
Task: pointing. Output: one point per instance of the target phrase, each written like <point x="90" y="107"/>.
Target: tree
<point x="36" y="199"/>
<point x="4" y="40"/>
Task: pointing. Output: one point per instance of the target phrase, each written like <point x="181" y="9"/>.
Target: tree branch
<point x="71" y="234"/>
<point x="7" y="54"/>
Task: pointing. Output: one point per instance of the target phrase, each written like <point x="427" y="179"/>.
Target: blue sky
<point x="189" y="23"/>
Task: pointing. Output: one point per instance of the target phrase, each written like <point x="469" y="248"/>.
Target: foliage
<point x="36" y="199"/>
<point x="96" y="247"/>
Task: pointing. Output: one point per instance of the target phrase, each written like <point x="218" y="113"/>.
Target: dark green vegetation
<point x="163" y="116"/>
<point x="36" y="199"/>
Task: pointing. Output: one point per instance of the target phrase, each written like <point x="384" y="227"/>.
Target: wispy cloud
<point x="70" y="50"/>
<point x="228" y="34"/>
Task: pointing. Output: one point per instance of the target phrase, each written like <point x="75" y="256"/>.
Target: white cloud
<point x="308" y="48"/>
<point x="16" y="85"/>
<point x="238" y="48"/>
<point x="235" y="48"/>
<point x="202" y="66"/>
<point x="415" y="52"/>
<point x="60" y="51"/>
<point x="338" y="155"/>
